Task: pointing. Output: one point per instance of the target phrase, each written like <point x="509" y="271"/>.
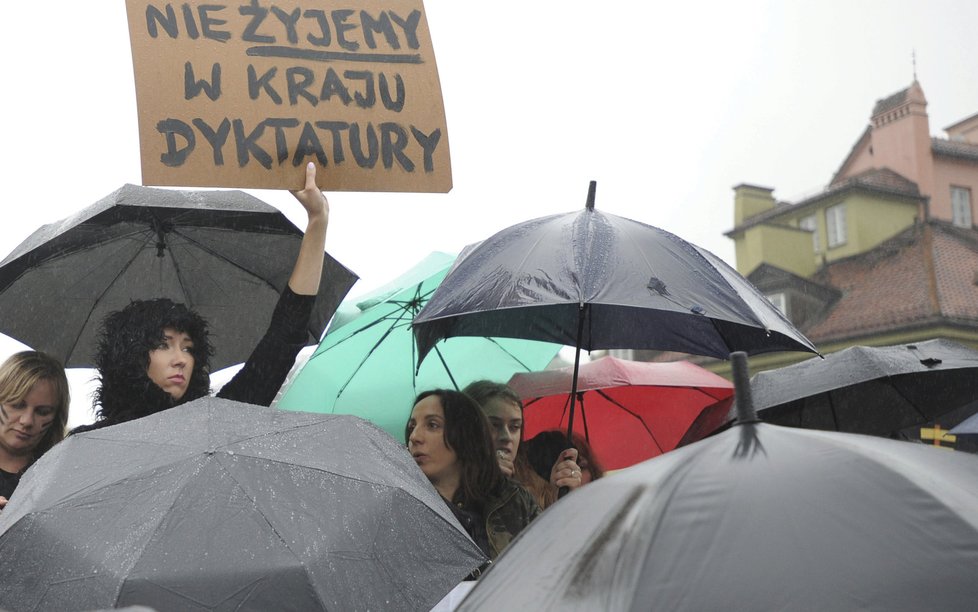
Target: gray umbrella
<point x="220" y="505"/>
<point x="870" y="390"/>
<point x="758" y="517"/>
<point x="226" y="254"/>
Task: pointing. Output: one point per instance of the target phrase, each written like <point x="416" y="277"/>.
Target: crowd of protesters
<point x="154" y="354"/>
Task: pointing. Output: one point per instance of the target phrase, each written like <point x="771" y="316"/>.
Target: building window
<point x="961" y="206"/>
<point x="835" y="224"/>
<point x="779" y="301"/>
<point x="810" y="223"/>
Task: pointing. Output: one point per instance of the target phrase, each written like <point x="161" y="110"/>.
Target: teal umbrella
<point x="367" y="363"/>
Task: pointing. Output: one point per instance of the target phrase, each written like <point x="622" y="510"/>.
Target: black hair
<point x="544" y="448"/>
<point x="126" y="337"/>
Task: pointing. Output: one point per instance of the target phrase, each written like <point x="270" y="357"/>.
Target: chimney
<point x="751" y="200"/>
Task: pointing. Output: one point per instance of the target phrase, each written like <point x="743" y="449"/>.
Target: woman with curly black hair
<point x="154" y="354"/>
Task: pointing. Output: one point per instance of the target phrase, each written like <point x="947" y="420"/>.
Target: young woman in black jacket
<point x="153" y="354"/>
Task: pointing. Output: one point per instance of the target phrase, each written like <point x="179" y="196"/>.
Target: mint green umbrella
<point x="366" y="362"/>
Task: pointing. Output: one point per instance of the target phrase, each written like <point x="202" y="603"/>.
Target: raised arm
<point x="309" y="264"/>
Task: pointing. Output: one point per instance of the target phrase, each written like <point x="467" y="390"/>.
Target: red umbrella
<point x="630" y="411"/>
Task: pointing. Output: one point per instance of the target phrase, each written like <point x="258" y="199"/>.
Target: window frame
<point x="836" y="230"/>
<point x="961" y="213"/>
<point x="816" y="235"/>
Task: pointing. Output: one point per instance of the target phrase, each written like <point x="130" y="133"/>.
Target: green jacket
<point x="507" y="514"/>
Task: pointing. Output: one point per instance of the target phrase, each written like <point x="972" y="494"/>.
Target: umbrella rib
<point x="210" y="251"/>
<point x="906" y="399"/>
<point x="258" y="509"/>
<point x="629" y="411"/>
<point x="508" y="352"/>
<point x="441" y="358"/>
<point x="102" y="294"/>
<point x="363" y="361"/>
<point x="704" y="264"/>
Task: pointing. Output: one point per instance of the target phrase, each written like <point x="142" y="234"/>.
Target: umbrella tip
<point x="744" y="401"/>
<point x="589" y="205"/>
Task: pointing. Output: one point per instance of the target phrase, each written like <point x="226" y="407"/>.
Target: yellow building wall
<point x="786" y="247"/>
<point x="870" y="220"/>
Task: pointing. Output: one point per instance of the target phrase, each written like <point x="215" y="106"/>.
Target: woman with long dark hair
<point x="34" y="399"/>
<point x="504" y="410"/>
<point x="449" y="438"/>
<point x="154" y="354"/>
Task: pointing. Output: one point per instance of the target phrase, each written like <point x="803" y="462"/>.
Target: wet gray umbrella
<point x="968" y="427"/>
<point x="219" y="505"/>
<point x="595" y="280"/>
<point x="870" y="390"/>
<point x="226" y="254"/>
<point x="758" y="517"/>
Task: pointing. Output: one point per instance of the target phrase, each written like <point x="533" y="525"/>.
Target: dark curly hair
<point x="126" y="337"/>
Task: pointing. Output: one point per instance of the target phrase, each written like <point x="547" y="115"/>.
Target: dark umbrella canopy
<point x="758" y="517"/>
<point x="225" y="254"/>
<point x="222" y="505"/>
<point x="870" y="390"/>
<point x="599" y="281"/>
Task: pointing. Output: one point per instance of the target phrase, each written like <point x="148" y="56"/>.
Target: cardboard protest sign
<point x="245" y="93"/>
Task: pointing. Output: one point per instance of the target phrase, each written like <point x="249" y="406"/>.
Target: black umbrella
<point x="871" y="390"/>
<point x="222" y="505"/>
<point x="759" y="517"/>
<point x="594" y="280"/>
<point x="225" y="254"/>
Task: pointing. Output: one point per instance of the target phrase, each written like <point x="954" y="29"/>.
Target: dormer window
<point x="961" y="206"/>
<point x="835" y="225"/>
<point x="810" y="223"/>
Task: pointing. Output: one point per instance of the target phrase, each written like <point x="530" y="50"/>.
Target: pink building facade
<point x="898" y="138"/>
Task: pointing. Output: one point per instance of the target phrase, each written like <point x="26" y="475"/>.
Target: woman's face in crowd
<point x="24" y="423"/>
<point x="171" y="363"/>
<point x="426" y="440"/>
<point x="506" y="420"/>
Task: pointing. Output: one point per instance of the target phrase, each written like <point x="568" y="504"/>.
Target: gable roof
<point x="767" y="277"/>
<point x="890" y="102"/>
<point x="876" y="180"/>
<point x="923" y="276"/>
<point x="954" y="148"/>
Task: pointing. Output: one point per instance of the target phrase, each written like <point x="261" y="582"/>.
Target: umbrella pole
<point x="577" y="366"/>
<point x="562" y="491"/>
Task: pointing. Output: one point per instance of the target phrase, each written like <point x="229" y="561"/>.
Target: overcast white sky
<point x="666" y="105"/>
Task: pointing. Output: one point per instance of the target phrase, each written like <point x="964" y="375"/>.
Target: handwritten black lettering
<point x="341" y="27"/>
<point x="396" y="146"/>
<point x="289" y="20"/>
<point x="171" y="129"/>
<point x="257" y="14"/>
<point x="167" y="20"/>
<point x="298" y="79"/>
<point x="192" y="87"/>
<point x="281" y="144"/>
<point x="247" y="145"/>
<point x="257" y="84"/>
<point x="215" y="138"/>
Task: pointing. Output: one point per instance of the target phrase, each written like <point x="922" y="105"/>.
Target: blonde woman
<point x="34" y="399"/>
